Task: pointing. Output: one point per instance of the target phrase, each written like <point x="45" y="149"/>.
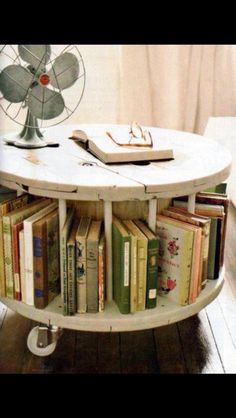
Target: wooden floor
<point x="204" y="343"/>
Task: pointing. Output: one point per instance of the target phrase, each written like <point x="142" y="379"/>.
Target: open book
<point x="109" y="152"/>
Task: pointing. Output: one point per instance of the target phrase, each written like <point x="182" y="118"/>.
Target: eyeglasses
<point x="142" y="138"/>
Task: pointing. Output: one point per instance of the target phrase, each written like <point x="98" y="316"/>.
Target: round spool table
<point x="71" y="173"/>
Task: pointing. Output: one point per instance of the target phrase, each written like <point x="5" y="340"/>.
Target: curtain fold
<point x="177" y="86"/>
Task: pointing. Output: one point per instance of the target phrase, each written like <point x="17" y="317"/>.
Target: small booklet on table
<point x="118" y="150"/>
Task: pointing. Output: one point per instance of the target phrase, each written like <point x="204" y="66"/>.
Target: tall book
<point x="142" y="249"/>
<point x="81" y="263"/>
<point x="28" y="232"/>
<point x="205" y="224"/>
<point x="92" y="265"/>
<point x="63" y="255"/>
<point x="7" y="205"/>
<point x="22" y="258"/>
<point x="9" y="220"/>
<point x="71" y="267"/>
<point x="133" y="270"/>
<point x="101" y="272"/>
<point x="46" y="268"/>
<point x="174" y="261"/>
<point x="152" y="267"/>
<point x="121" y="243"/>
<point x="16" y="259"/>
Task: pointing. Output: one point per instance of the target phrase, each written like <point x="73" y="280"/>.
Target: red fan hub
<point x="44" y="79"/>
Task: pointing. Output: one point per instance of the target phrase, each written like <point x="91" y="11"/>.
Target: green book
<point x="152" y="267"/>
<point x="220" y="188"/>
<point x="212" y="248"/>
<point x="121" y="243"/>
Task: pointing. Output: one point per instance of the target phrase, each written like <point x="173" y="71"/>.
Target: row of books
<point x="29" y="251"/>
<point x="83" y="264"/>
<point x="186" y="250"/>
<point x="176" y="261"/>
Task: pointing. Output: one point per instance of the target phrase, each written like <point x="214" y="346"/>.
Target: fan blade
<point x="44" y="103"/>
<point x="15" y="82"/>
<point x="64" y="71"/>
<point x="36" y="55"/>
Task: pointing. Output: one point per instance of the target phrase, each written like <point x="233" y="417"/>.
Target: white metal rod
<point x="152" y="214"/>
<point x="191" y="203"/>
<point x="108" y="235"/>
<point x="62" y="218"/>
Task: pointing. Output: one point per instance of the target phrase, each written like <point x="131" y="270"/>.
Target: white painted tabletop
<point x="65" y="172"/>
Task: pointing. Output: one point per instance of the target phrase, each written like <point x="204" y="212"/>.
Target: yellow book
<point x="142" y="252"/>
<point x="175" y="259"/>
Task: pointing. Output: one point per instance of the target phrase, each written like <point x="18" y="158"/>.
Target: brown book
<point x="92" y="266"/>
<point x="46" y="259"/>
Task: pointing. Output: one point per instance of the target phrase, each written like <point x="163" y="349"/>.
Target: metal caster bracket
<point x="48" y="335"/>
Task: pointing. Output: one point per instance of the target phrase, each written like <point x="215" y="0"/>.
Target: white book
<point x="22" y="265"/>
<point x="109" y="152"/>
<point x="29" y="258"/>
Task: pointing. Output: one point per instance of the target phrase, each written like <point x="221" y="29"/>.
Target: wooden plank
<point x="13" y="336"/>
<point x="138" y="352"/>
<point x="199" y="347"/>
<point x="86" y="353"/>
<point x="169" y="350"/>
<point x="224" y="341"/>
<point x="62" y="361"/>
<point x="108" y="353"/>
<point x="227" y="302"/>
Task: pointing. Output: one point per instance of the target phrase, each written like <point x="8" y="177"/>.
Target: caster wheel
<point x="32" y="344"/>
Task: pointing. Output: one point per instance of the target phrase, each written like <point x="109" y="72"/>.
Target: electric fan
<point x="35" y="82"/>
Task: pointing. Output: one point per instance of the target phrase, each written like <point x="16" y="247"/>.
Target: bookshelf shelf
<point x="69" y="173"/>
<point x="111" y="320"/>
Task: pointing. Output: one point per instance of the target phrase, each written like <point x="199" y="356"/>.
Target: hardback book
<point x="92" y="265"/>
<point x="142" y="251"/>
<point x="205" y="224"/>
<point x="71" y="268"/>
<point x="10" y="219"/>
<point x="220" y="188"/>
<point x="121" y="243"/>
<point x="63" y="250"/>
<point x="101" y="272"/>
<point x="175" y="260"/>
<point x="22" y="259"/>
<point x="28" y="232"/>
<point x="192" y="290"/>
<point x="133" y="269"/>
<point x="7" y="205"/>
<point x="152" y="267"/>
<point x="201" y="208"/>
<point x="46" y="266"/>
<point x="81" y="263"/>
<point x="16" y="259"/>
<point x="109" y="152"/>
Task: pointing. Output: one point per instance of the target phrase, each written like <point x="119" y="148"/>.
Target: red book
<point x="16" y="259"/>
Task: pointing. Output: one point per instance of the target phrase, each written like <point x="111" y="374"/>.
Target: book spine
<point x="2" y="268"/>
<point x="92" y="276"/>
<point x="40" y="266"/>
<point x="185" y="268"/>
<point x="22" y="264"/>
<point x="8" y="257"/>
<point x="206" y="239"/>
<point x="16" y="259"/>
<point x="142" y="276"/>
<point x="212" y="249"/>
<point x="101" y="277"/>
<point x="53" y="256"/>
<point x="151" y="296"/>
<point x="71" y="279"/>
<point x="64" y="274"/>
<point x="133" y="275"/>
<point x="29" y="278"/>
<point x="81" y="280"/>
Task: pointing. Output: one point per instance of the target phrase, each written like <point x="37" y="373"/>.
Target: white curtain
<point x="171" y="86"/>
<point x="177" y="86"/>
